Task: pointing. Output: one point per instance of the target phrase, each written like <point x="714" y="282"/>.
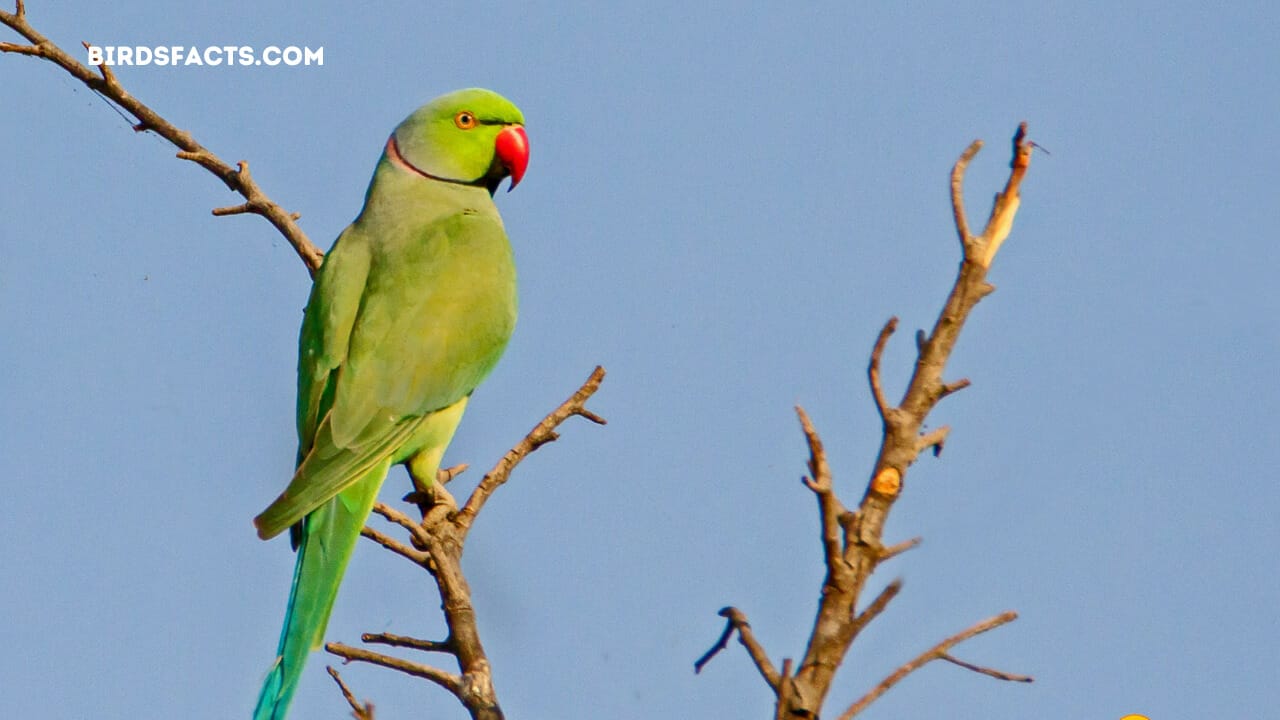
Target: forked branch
<point x="938" y="652"/>
<point x="852" y="541"/>
<point x="437" y="541"/>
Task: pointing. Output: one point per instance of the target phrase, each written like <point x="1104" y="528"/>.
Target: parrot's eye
<point x="464" y="120"/>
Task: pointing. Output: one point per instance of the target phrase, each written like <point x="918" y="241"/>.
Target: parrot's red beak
<point x="512" y="148"/>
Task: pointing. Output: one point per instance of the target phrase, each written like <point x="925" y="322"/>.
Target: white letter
<point x="193" y="57"/>
<point x="124" y="55"/>
<point x="246" y="55"/>
<point x="95" y="55"/>
<point x="212" y="55"/>
<point x="144" y="55"/>
<point x="316" y="55"/>
<point x="292" y="55"/>
<point x="271" y="55"/>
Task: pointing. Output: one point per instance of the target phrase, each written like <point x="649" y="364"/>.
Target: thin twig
<point x="445" y="475"/>
<point x="893" y="551"/>
<point x="786" y="688"/>
<point x="997" y="674"/>
<point x="934" y="653"/>
<point x="935" y="439"/>
<point x="420" y="535"/>
<point x="105" y="83"/>
<point x="360" y="711"/>
<point x="873" y="368"/>
<point x="957" y="191"/>
<point x="541" y="434"/>
<point x="444" y="646"/>
<point x="877" y="606"/>
<point x="418" y="557"/>
<point x="737" y="620"/>
<point x="954" y="387"/>
<point x="446" y="680"/>
<point x="829" y="507"/>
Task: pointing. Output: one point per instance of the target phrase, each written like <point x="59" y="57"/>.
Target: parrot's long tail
<point x="329" y="535"/>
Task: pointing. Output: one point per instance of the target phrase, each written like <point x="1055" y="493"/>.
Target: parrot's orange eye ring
<point x="465" y="120"/>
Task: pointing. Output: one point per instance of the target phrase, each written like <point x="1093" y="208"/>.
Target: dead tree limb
<point x="105" y="83"/>
<point x="852" y="540"/>
<point x="437" y="541"/>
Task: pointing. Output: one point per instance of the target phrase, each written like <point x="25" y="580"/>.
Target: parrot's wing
<point x="398" y="368"/>
<point x="326" y="330"/>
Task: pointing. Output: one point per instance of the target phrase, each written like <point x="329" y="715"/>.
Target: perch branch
<point x="437" y="547"/>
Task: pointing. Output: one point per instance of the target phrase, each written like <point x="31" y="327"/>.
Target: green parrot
<point x="410" y="311"/>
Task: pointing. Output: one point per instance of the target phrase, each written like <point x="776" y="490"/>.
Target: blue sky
<point x="723" y="206"/>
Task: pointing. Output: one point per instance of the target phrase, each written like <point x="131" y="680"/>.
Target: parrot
<point x="409" y="311"/>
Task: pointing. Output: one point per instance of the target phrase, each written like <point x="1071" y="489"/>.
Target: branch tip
<point x="737" y="620"/>
<point x="955" y="387"/>
<point x="873" y="367"/>
<point x="541" y="434"/>
<point x="957" y="191"/>
<point x="360" y="711"/>
<point x="990" y="672"/>
<point x="895" y="550"/>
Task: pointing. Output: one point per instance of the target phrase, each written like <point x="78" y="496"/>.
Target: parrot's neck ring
<point x="398" y="159"/>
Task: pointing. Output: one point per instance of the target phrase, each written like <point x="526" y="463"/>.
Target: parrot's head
<point x="472" y="137"/>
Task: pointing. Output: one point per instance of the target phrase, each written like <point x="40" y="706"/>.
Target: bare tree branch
<point x="444" y="646"/>
<point x="541" y="434"/>
<point x="937" y="652"/>
<point x="957" y="192"/>
<point x="418" y="557"/>
<point x="105" y="83"/>
<point x="448" y="681"/>
<point x="873" y="368"/>
<point x="895" y="550"/>
<point x="786" y="688"/>
<point x="421" y="537"/>
<point x="877" y="606"/>
<point x="437" y="548"/>
<point x="736" y="620"/>
<point x="829" y="507"/>
<point x="360" y="711"/>
<point x="991" y="672"/>
<point x="852" y="541"/>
